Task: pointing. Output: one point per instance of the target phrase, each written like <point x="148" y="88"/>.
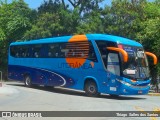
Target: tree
<point x="135" y="19"/>
<point x="51" y="6"/>
<point x="47" y="25"/>
<point x="123" y="17"/>
<point x="85" y="6"/>
<point x="14" y="22"/>
<point x="149" y="34"/>
<point x="138" y="20"/>
<point x="14" y="19"/>
<point x="92" y="23"/>
<point x="53" y="20"/>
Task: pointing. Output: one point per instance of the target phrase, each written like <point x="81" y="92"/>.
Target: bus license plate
<point x="139" y="92"/>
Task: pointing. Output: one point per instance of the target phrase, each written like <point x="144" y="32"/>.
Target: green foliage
<point x="47" y="25"/>
<point x="122" y="18"/>
<point x="53" y="20"/>
<point x="14" y="21"/>
<point x="92" y="23"/>
<point x="85" y="6"/>
<point x="2" y="35"/>
<point x="50" y="7"/>
<point x="135" y="19"/>
<point x="150" y="34"/>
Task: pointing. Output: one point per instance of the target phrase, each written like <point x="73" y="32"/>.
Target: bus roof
<point x="90" y="37"/>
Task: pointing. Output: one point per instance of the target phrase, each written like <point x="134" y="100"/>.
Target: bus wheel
<point x="27" y="81"/>
<point x="91" y="89"/>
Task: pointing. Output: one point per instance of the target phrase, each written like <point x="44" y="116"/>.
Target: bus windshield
<point x="137" y="65"/>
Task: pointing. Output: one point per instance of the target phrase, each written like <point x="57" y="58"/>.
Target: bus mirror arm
<point x="123" y="52"/>
<point x="152" y="55"/>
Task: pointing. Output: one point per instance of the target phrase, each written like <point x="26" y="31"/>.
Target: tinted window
<point x="36" y="51"/>
<point x="113" y="63"/>
<point x="13" y="51"/>
<point x="55" y="50"/>
<point x="26" y="51"/>
<point x="92" y="54"/>
<point x="82" y="49"/>
<point x="77" y="49"/>
<point x="102" y="46"/>
<point x="71" y="50"/>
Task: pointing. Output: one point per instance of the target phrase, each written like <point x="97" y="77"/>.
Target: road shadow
<point x="77" y="93"/>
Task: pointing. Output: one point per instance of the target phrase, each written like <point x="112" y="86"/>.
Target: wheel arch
<point x="90" y="78"/>
<point x="26" y="74"/>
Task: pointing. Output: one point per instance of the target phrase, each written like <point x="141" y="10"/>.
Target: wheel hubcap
<point x="27" y="81"/>
<point x="91" y="89"/>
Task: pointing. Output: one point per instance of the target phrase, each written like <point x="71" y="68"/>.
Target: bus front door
<point x="113" y="68"/>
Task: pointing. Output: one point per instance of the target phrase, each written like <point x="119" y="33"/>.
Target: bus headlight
<point x="127" y="84"/>
<point x="123" y="82"/>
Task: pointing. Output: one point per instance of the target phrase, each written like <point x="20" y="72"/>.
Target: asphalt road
<point x="21" y="98"/>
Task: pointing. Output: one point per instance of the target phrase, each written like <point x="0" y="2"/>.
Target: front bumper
<point x="129" y="89"/>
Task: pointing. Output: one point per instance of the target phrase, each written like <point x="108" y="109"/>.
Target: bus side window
<point x="17" y="52"/>
<point x="51" y="50"/>
<point x="24" y="51"/>
<point x="63" y="51"/>
<point x="13" y="51"/>
<point x="55" y="50"/>
<point x="92" y="54"/>
<point x="113" y="65"/>
<point x="102" y="49"/>
<point x="28" y="53"/>
<point x="36" y="51"/>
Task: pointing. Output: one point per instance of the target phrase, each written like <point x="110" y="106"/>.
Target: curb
<point x="154" y="94"/>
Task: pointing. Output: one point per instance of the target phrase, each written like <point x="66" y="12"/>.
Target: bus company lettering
<point x="77" y="65"/>
<point x="77" y="52"/>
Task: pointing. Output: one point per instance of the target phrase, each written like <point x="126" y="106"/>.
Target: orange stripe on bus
<point x="78" y="62"/>
<point x="123" y="52"/>
<point x="78" y="38"/>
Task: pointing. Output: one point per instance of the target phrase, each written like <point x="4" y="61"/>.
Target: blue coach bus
<point x="95" y="63"/>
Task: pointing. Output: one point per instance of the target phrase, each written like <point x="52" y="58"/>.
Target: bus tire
<point x="27" y="81"/>
<point x="91" y="89"/>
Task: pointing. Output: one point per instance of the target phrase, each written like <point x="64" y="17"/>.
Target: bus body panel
<point x="57" y="72"/>
<point x="117" y="39"/>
